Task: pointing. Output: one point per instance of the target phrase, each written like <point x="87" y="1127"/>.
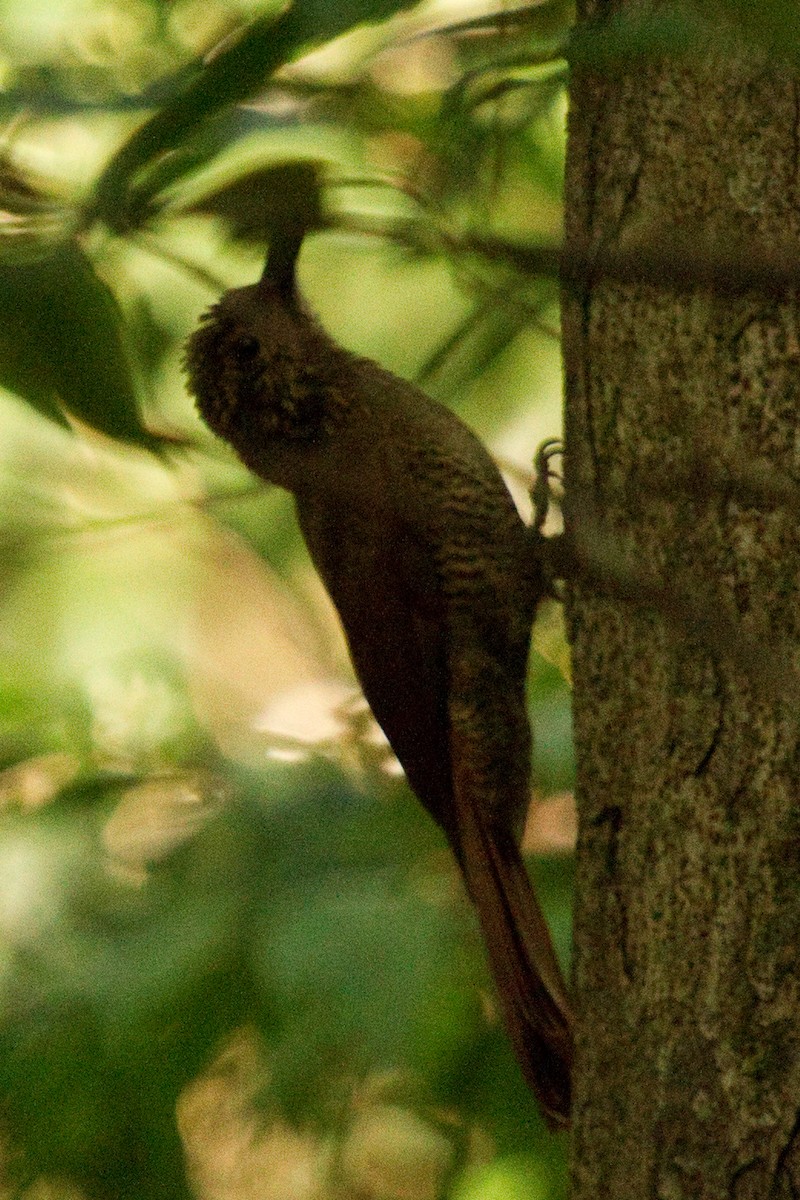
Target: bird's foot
<point x="549" y="550"/>
<point x="540" y="492"/>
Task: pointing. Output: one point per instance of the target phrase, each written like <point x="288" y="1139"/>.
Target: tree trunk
<point x="688" y="913"/>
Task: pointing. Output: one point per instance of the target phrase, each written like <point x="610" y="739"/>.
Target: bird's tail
<point x="529" y="981"/>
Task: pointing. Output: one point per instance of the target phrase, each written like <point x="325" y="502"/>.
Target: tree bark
<point x="688" y="911"/>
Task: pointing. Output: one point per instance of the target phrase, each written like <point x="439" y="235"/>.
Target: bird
<point x="436" y="581"/>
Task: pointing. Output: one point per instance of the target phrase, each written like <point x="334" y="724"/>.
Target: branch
<point x="697" y="611"/>
<point x="677" y="265"/>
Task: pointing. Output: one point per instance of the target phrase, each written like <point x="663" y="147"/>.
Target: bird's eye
<point x="246" y="347"/>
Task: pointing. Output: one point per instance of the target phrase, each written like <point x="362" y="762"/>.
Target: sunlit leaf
<point x="158" y="816"/>
<point x="514" y="1178"/>
<point x="409" y="1154"/>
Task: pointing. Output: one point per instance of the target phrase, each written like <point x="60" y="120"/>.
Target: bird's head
<point x="262" y="370"/>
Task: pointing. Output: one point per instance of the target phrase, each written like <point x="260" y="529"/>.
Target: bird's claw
<point x="540" y="492"/>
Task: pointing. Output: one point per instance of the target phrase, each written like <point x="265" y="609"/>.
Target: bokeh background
<point x="236" y="958"/>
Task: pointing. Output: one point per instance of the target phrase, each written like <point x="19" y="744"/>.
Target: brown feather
<point x="429" y="565"/>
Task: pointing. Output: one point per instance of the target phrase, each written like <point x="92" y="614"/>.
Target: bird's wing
<point x="449" y="694"/>
<point x="389" y="601"/>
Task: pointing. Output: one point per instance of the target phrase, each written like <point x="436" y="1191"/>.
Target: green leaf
<point x="320" y="21"/>
<point x="268" y="201"/>
<point x="363" y="971"/>
<point x="61" y="345"/>
<point x="230" y="76"/>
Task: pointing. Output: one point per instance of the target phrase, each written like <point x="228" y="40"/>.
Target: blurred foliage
<point x="692" y="28"/>
<point x="235" y="955"/>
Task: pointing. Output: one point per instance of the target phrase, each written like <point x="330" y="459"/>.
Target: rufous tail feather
<point x="529" y="982"/>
